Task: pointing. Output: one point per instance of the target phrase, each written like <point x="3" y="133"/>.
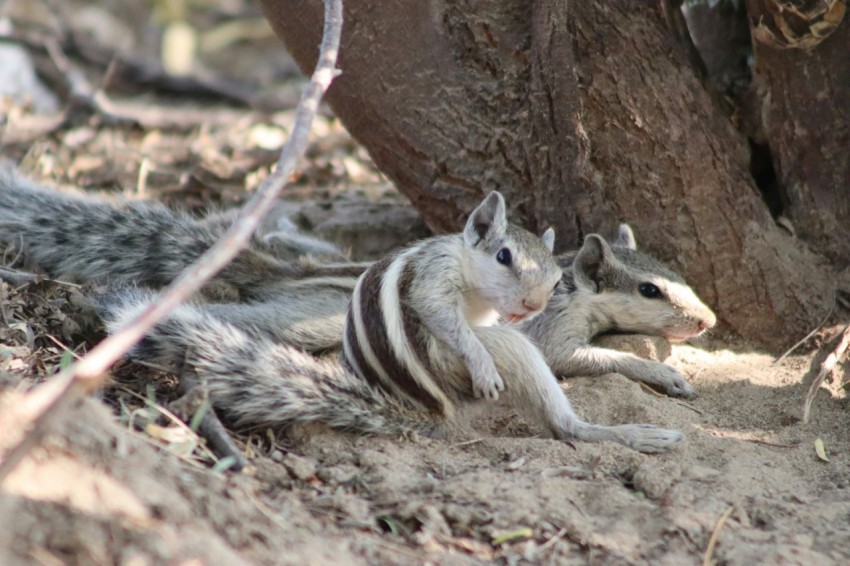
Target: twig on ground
<point x="771" y="444"/>
<point x="553" y="541"/>
<point x="689" y="406"/>
<point x="50" y="399"/>
<point x="826" y="368"/>
<point x="469" y="442"/>
<point x="812" y="333"/>
<point x="62" y="345"/>
<point x="16" y="277"/>
<point x="85" y="99"/>
<point x="650" y="390"/>
<point x="173" y="418"/>
<point x="148" y="440"/>
<point x="267" y="512"/>
<point x="18" y="249"/>
<point x="712" y="542"/>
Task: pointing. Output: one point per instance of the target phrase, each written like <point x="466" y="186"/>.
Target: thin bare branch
<point x="826" y="368"/>
<point x="48" y="400"/>
<point x="812" y="333"/>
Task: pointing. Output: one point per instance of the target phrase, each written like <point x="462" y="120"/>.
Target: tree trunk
<point x="584" y="114"/>
<point x="805" y="85"/>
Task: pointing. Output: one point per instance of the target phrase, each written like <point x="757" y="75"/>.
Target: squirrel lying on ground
<point x="419" y="343"/>
<point x="615" y="288"/>
<point x="79" y="236"/>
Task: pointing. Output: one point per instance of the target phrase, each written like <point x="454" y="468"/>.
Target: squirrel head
<point x="510" y="268"/>
<point x="638" y="293"/>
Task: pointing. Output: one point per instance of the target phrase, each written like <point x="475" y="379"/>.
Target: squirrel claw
<point x="488" y="388"/>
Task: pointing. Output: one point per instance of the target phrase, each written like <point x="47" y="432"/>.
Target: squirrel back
<point x="85" y="238"/>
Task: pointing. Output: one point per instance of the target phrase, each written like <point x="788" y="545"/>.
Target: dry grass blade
<point x="688" y="406"/>
<point x="88" y="374"/>
<point x="826" y="368"/>
<point x="712" y="541"/>
<point x="174" y="419"/>
<point x="554" y="540"/>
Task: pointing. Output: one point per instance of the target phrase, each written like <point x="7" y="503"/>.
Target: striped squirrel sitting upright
<point x="605" y="287"/>
<point x="414" y="310"/>
<point x="418" y="345"/>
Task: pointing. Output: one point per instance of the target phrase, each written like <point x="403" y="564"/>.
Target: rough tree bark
<point x="584" y="114"/>
<point x="802" y="70"/>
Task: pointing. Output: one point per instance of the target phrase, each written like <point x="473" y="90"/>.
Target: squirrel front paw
<point x="487" y="384"/>
<point x="667" y="378"/>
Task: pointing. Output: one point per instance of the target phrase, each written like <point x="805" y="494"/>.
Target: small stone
<point x="337" y="475"/>
<point x="299" y="467"/>
<point x="653" y="478"/>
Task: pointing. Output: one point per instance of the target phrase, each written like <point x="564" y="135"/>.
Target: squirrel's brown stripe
<point x="358" y="363"/>
<point x="374" y="324"/>
<point x="413" y="324"/>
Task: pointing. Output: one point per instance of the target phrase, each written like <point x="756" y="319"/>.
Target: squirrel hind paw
<point x="651" y="439"/>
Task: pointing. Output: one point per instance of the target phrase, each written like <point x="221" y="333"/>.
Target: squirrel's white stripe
<point x="366" y="348"/>
<point x="394" y="324"/>
<point x="346" y="345"/>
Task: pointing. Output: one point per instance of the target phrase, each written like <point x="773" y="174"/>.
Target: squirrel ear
<point x="590" y="262"/>
<point x="548" y="238"/>
<point x="625" y="238"/>
<point x="487" y="221"/>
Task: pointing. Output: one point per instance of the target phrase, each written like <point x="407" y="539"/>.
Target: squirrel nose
<point x="531" y="304"/>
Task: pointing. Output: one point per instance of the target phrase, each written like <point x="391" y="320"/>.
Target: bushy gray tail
<point x="145" y="243"/>
<point x="255" y="383"/>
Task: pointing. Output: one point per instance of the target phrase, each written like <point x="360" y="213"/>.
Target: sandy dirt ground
<point x="118" y="483"/>
<point x="99" y="491"/>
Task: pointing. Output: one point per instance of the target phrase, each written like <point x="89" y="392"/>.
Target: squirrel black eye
<point x="649" y="290"/>
<point x="504" y="257"/>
